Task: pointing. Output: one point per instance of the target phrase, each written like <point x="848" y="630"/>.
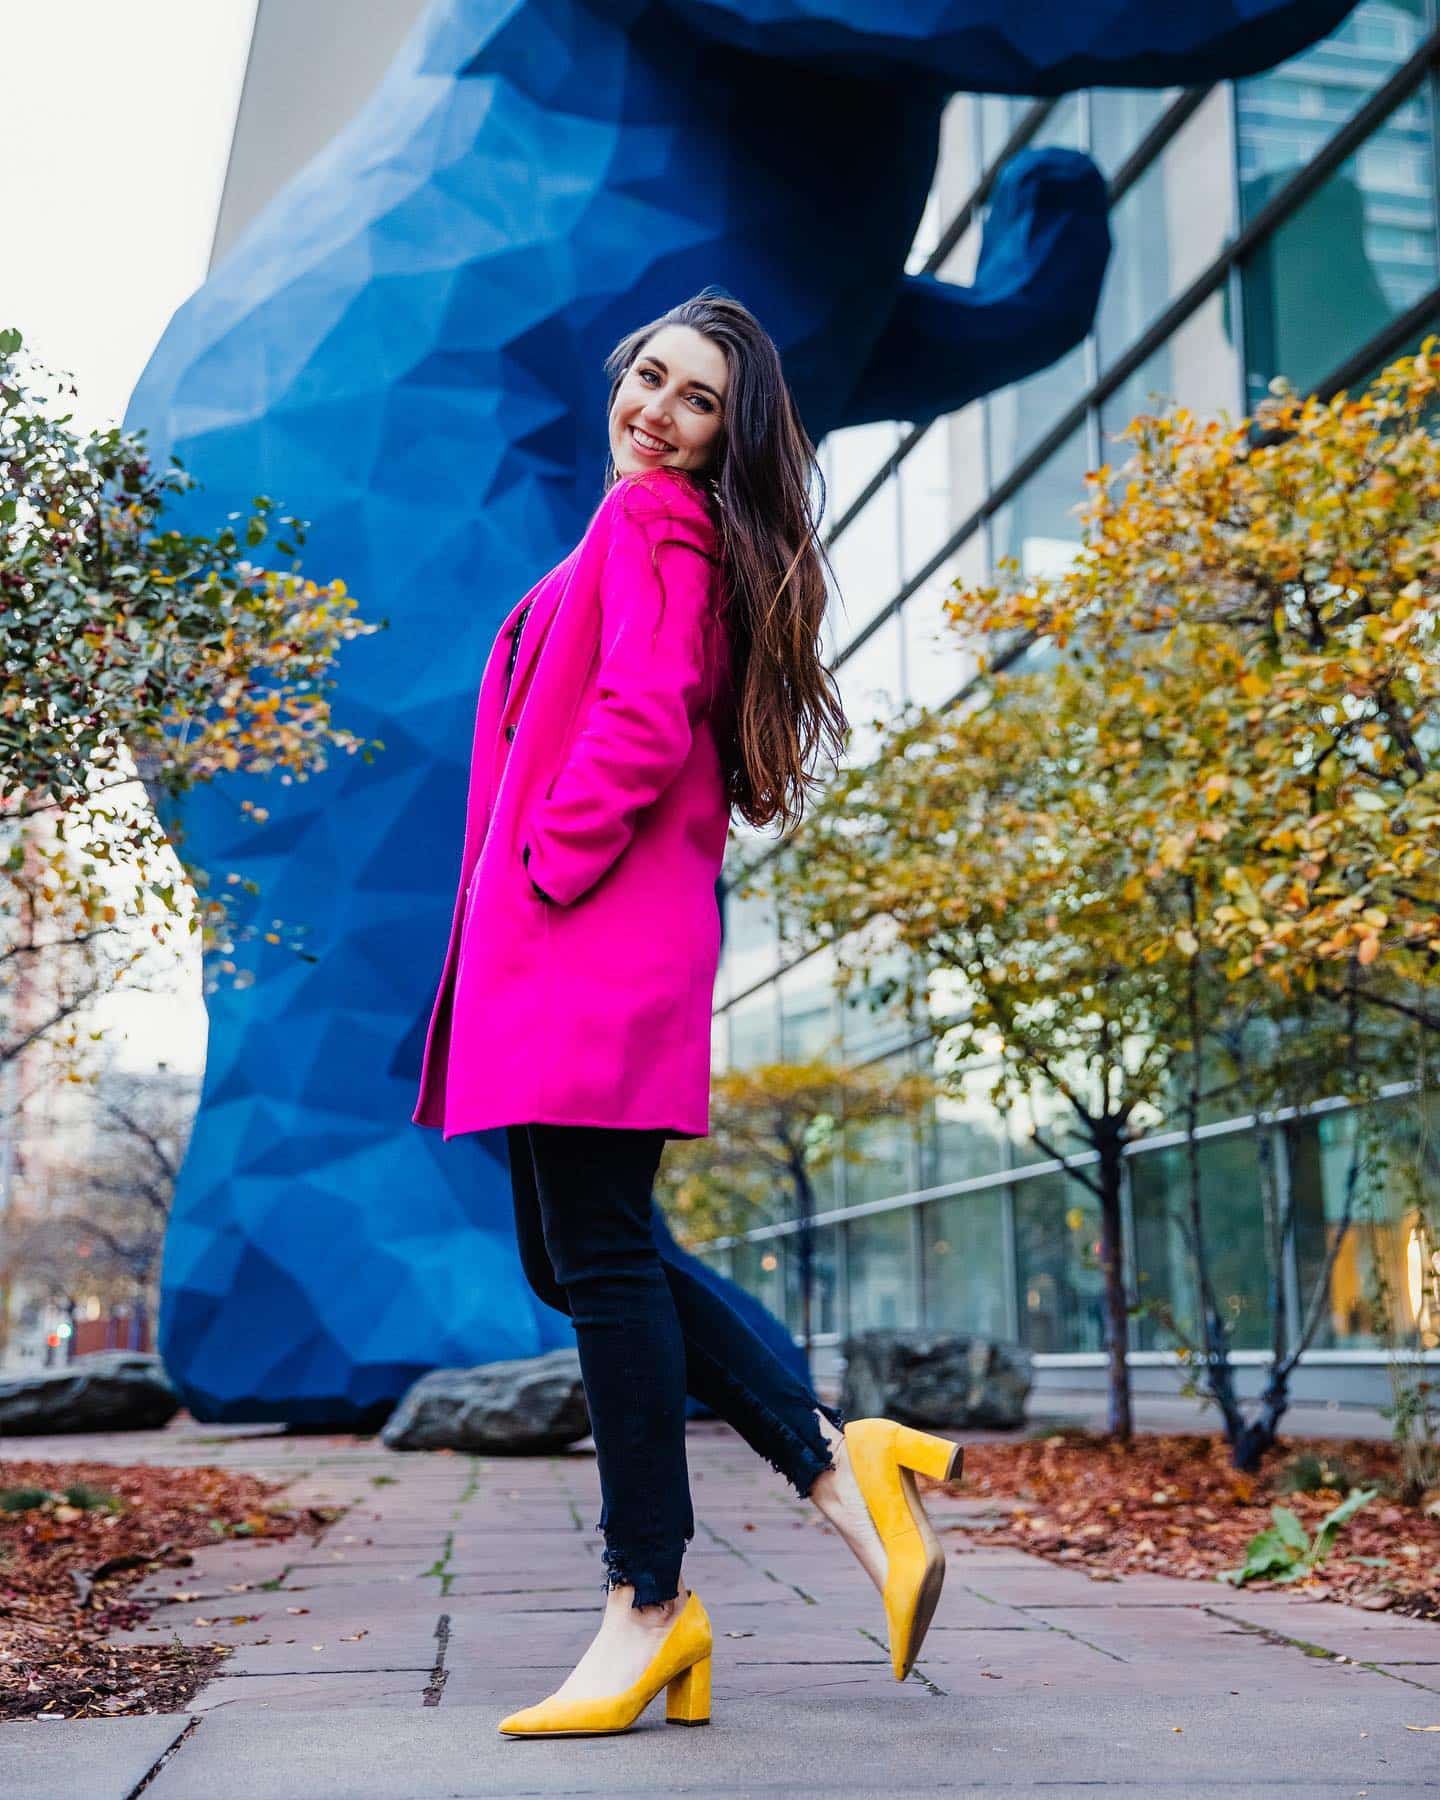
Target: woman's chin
<point x="630" y="464"/>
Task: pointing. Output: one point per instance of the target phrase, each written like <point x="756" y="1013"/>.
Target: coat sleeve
<point x="657" y="635"/>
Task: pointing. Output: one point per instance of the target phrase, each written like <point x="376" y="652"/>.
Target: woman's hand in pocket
<point x="549" y="899"/>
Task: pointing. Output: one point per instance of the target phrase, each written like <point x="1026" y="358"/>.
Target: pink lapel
<point x="544" y="597"/>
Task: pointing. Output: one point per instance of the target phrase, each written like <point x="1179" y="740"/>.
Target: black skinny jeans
<point x="648" y="1332"/>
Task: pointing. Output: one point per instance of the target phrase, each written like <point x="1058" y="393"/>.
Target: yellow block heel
<point x="886" y="1456"/>
<point x="929" y="1455"/>
<point x="681" y="1666"/>
<point x="687" y="1699"/>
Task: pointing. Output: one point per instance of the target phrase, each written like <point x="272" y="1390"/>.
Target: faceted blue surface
<point x="407" y="348"/>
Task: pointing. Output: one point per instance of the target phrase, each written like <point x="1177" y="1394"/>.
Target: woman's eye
<point x="649" y="375"/>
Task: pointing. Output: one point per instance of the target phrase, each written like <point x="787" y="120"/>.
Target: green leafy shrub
<point x="22" y="1499"/>
<point x="88" y="1498"/>
<point x="1309" y="1473"/>
<point x="1285" y="1551"/>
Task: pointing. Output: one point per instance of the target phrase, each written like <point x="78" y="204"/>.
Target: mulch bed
<point x="65" y="1571"/>
<point x="1175" y="1506"/>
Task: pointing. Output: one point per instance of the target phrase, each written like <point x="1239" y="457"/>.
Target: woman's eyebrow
<point x="664" y="371"/>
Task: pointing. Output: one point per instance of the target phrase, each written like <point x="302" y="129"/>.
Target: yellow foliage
<point x="1235" y="762"/>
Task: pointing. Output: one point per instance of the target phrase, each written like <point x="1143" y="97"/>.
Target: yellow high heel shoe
<point x="884" y="1455"/>
<point x="681" y="1666"/>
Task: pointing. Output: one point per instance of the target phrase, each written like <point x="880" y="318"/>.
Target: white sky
<point x="114" y="131"/>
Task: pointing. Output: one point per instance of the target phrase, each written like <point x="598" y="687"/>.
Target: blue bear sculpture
<point x="406" y="348"/>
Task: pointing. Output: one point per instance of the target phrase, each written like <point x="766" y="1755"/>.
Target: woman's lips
<point x="648" y="449"/>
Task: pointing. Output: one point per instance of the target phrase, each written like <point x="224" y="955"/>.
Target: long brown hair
<point x="760" y="482"/>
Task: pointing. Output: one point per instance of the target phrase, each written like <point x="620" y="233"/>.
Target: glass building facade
<point x="1286" y="224"/>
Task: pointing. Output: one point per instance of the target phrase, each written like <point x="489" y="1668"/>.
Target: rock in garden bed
<point x="109" y="1390"/>
<point x="529" y="1405"/>
<point x="929" y="1378"/>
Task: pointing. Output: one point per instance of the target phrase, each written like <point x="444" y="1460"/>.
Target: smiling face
<point x="670" y="405"/>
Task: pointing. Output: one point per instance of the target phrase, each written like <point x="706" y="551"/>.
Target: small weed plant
<point x="1285" y="1551"/>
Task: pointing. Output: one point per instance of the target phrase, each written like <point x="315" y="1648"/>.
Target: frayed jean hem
<point x="803" y="1465"/>
<point x="654" y="1574"/>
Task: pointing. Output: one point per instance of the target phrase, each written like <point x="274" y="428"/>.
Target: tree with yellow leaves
<point x="1293" y="562"/>
<point x="773" y="1129"/>
<point x="970" y="842"/>
<point x="1266" y="599"/>
<point x="131" y="652"/>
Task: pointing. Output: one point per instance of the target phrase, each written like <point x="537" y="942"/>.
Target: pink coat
<point x="593" y="1007"/>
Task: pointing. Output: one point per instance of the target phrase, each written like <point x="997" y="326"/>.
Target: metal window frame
<point x="1012" y="1174"/>
<point x="1007" y="1179"/>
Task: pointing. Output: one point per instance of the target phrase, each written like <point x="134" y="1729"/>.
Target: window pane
<point x="1195" y="367"/>
<point x="937" y="663"/>
<point x="824" y="1281"/>
<point x="965" y="1136"/>
<point x="1162" y="1268"/>
<point x="751" y="948"/>
<point x="1373" y="225"/>
<point x="866" y="561"/>
<point x="1022" y="413"/>
<point x="887" y="1147"/>
<point x="808" y="1022"/>
<point x="999" y="115"/>
<point x="1222" y="1097"/>
<point x="1063" y="127"/>
<point x="1168" y="226"/>
<point x="869" y="683"/>
<point x="1039" y="526"/>
<point x="1057" y="1265"/>
<point x="957" y="167"/>
<point x="1044" y="1110"/>
<point x="754" y="1030"/>
<point x="757" y="1268"/>
<point x="721" y="1260"/>
<point x="1386" y="1237"/>
<point x="964" y="1240"/>
<point x="941" y="484"/>
<point x="1431" y="328"/>
<point x="969" y="470"/>
<point x="1120" y="118"/>
<point x="881" y="1156"/>
<point x="868" y="1022"/>
<point x="1284" y="116"/>
<point x="849" y="459"/>
<point x="1235" y="1239"/>
<point x="927" y="500"/>
<point x="881" y="1270"/>
<point x="962" y="257"/>
<point x="927" y="233"/>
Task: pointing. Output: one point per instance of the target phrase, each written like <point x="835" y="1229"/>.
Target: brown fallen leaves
<point x="65" y="1571"/>
<point x="1175" y="1506"/>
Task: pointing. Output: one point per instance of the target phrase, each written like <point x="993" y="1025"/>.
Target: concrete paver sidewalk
<point x="378" y="1659"/>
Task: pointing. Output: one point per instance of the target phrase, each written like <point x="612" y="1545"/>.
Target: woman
<point x="665" y="673"/>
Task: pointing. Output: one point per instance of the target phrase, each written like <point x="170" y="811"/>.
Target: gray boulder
<point x="108" y="1390"/>
<point x="529" y="1405"/>
<point x="928" y="1378"/>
